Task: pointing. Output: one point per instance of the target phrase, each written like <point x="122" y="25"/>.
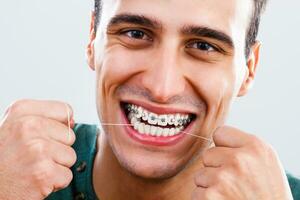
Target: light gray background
<point x="42" y="55"/>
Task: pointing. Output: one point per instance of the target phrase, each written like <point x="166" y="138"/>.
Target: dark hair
<point x="251" y="34"/>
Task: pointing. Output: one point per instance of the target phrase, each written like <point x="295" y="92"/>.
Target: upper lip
<point x="159" y="109"/>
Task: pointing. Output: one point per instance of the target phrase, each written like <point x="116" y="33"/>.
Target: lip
<point x="153" y="140"/>
<point x="158" y="109"/>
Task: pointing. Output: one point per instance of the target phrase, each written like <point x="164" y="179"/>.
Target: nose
<point x="163" y="77"/>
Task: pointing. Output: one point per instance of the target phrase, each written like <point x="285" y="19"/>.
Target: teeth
<point x="139" y="112"/>
<point x="153" y="124"/>
<point x="159" y="131"/>
<point x="166" y="132"/>
<point x="145" y="115"/>
<point x="155" y="131"/>
<point x="141" y="128"/>
<point x="162" y="120"/>
<point x="181" y="121"/>
<point x="171" y="119"/>
<point x="133" y="120"/>
<point x="136" y="125"/>
<point x="172" y="132"/>
<point x="152" y="119"/>
<point x="147" y="129"/>
<point x="177" y="118"/>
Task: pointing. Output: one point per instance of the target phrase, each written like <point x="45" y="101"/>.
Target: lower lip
<point x="153" y="140"/>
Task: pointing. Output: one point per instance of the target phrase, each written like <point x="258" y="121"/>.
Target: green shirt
<point x="81" y="186"/>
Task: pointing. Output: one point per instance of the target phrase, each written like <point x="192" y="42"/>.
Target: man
<point x="167" y="73"/>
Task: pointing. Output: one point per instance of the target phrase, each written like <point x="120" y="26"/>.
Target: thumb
<point x="227" y="136"/>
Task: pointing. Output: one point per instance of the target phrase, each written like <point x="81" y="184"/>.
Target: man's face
<point x="167" y="67"/>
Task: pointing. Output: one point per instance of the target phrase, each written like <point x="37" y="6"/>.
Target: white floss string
<point x="197" y="136"/>
<point x="69" y="121"/>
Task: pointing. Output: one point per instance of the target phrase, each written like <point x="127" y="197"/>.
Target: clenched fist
<point x="35" y="150"/>
<point x="240" y="167"/>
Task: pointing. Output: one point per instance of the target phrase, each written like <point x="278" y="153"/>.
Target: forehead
<point x="229" y="16"/>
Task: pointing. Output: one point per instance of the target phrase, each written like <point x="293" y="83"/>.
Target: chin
<point x="150" y="168"/>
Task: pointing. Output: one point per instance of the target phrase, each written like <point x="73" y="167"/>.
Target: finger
<point x="205" y="177"/>
<point x="62" y="178"/>
<point x="216" y="156"/>
<point x="59" y="132"/>
<point x="230" y="137"/>
<point x="49" y="109"/>
<point x="62" y="154"/>
<point x="35" y="127"/>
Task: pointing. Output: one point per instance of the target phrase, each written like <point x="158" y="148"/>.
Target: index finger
<point x="227" y="136"/>
<point x="55" y="110"/>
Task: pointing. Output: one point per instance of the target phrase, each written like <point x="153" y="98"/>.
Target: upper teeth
<point x="155" y="119"/>
<point x="147" y="129"/>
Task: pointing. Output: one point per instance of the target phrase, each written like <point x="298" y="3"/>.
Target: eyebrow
<point x="198" y="31"/>
<point x="135" y="19"/>
<point x="202" y="31"/>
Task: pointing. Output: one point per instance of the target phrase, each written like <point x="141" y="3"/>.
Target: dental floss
<point x="197" y="136"/>
<point x="69" y="122"/>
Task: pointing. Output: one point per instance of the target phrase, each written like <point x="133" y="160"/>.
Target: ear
<point x="90" y="51"/>
<point x="252" y="64"/>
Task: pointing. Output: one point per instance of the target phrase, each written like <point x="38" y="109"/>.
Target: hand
<point x="35" y="150"/>
<point x="242" y="167"/>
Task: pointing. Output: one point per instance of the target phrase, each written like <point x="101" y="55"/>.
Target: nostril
<point x="163" y="84"/>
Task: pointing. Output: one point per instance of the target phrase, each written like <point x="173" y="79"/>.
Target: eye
<point x="136" y="34"/>
<point x="203" y="46"/>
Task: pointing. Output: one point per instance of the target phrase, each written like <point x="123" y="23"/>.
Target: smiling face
<point x="168" y="68"/>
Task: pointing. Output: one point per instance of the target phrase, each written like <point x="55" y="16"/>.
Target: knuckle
<point x="29" y="124"/>
<point x="41" y="175"/>
<point x="197" y="179"/>
<point x="17" y="106"/>
<point x="236" y="158"/>
<point x="208" y="156"/>
<point x="270" y="149"/>
<point x="220" y="176"/>
<point x="258" y="145"/>
<point x="263" y="149"/>
<point x="25" y="127"/>
<point x="38" y="147"/>
<point x="269" y="152"/>
<point x="205" y="158"/>
<point x="238" y="162"/>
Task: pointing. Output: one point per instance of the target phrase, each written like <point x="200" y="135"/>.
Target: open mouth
<point x="145" y="122"/>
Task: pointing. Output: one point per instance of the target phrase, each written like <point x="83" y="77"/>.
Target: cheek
<point x="215" y="85"/>
<point x="214" y="82"/>
<point x="120" y="64"/>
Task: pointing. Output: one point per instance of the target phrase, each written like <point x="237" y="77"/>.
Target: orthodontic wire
<point x="187" y="133"/>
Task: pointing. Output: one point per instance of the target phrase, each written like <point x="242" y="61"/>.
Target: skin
<point x="165" y="69"/>
<point x="35" y="149"/>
